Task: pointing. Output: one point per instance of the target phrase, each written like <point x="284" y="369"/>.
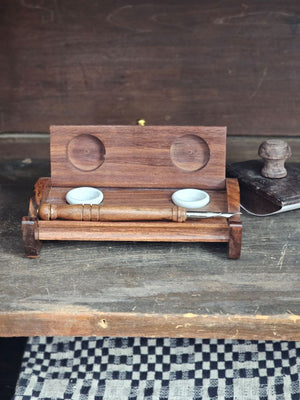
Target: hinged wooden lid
<point x="136" y="156"/>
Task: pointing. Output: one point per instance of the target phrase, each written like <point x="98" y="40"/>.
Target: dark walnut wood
<point x="31" y="244"/>
<point x="229" y="63"/>
<point x="137" y="169"/>
<point x="137" y="156"/>
<point x="212" y="229"/>
<point x="234" y="222"/>
<point x="86" y="212"/>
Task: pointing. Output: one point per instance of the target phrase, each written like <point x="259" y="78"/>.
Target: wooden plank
<point x="93" y="323"/>
<point x="179" y="63"/>
<point x="135" y="156"/>
<point x="171" y="289"/>
<point x="145" y="232"/>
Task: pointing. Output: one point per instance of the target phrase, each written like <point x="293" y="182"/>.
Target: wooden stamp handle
<point x="87" y="212"/>
<point x="274" y="153"/>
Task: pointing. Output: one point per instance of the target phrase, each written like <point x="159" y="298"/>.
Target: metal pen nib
<point x="209" y="214"/>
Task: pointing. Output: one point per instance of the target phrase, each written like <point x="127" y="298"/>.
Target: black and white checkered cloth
<point x="96" y="368"/>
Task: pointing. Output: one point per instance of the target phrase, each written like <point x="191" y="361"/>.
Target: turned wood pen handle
<point x="87" y="212"/>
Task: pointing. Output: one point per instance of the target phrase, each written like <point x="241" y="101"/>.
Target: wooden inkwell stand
<point x="136" y="168"/>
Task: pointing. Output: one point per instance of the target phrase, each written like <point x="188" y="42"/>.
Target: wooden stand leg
<point x="235" y="239"/>
<point x="32" y="246"/>
<point x="234" y="223"/>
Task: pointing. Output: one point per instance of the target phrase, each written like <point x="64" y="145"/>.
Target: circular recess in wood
<point x="189" y="153"/>
<point x="86" y="152"/>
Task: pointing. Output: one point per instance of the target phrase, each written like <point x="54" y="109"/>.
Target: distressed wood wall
<point x="233" y="63"/>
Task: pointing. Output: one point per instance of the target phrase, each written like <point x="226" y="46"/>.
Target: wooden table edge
<point x="97" y="323"/>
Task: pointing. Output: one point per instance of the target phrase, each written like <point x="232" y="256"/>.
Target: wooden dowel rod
<point x="86" y="212"/>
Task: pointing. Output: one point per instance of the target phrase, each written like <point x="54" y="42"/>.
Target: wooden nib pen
<point x="87" y="212"/>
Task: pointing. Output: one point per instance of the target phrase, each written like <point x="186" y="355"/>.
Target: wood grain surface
<point x="232" y="63"/>
<point x="169" y="289"/>
<point x="192" y="230"/>
<point x="136" y="157"/>
<point x="35" y="147"/>
<point x="144" y="289"/>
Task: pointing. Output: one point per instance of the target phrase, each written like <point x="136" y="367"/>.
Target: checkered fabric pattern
<point x="97" y="368"/>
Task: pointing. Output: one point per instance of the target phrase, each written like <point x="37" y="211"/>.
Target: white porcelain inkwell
<point x="190" y="198"/>
<point x="84" y="195"/>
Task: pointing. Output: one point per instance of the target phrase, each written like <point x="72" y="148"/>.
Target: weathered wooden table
<point x="145" y="289"/>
